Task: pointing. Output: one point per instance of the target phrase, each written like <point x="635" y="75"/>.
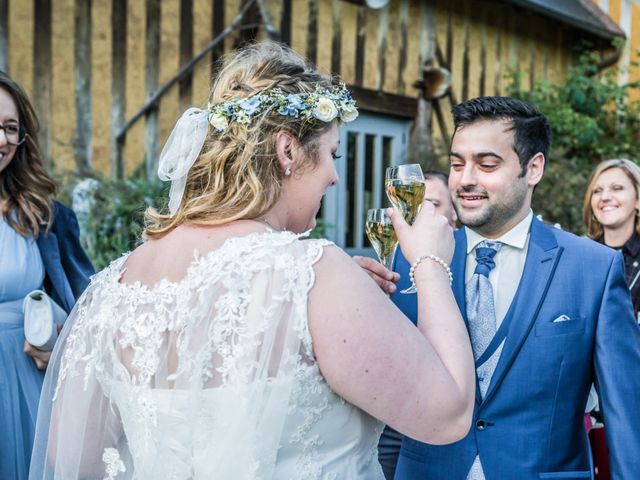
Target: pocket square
<point x="561" y="318"/>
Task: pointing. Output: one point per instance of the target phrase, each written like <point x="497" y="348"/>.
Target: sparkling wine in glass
<point x="405" y="187"/>
<point x="382" y="235"/>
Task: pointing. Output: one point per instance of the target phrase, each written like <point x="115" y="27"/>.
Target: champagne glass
<point x="405" y="188"/>
<point x="382" y="235"/>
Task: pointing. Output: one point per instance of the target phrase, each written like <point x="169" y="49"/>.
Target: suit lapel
<point x="50" y="253"/>
<point x="458" y="268"/>
<point x="539" y="268"/>
<point x="458" y="265"/>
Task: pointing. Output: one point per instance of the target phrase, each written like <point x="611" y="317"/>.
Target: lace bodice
<point x="211" y="377"/>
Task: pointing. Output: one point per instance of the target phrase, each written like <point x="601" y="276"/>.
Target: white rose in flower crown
<point x="325" y="110"/>
<point x="349" y="113"/>
<point x="218" y="121"/>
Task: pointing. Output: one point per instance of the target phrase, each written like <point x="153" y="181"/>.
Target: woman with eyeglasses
<point x="39" y="249"/>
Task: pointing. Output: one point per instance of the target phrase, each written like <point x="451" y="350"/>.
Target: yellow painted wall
<point x="626" y="13"/>
<point x="527" y="42"/>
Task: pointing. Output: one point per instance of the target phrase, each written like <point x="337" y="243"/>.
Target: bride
<point x="227" y="345"/>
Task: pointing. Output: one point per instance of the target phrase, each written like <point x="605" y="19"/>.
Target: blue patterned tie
<point x="481" y="312"/>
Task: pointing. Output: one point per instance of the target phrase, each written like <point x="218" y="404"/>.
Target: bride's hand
<point x="430" y="234"/>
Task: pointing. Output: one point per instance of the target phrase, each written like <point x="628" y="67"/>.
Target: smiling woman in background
<point x="610" y="211"/>
<point x="39" y="250"/>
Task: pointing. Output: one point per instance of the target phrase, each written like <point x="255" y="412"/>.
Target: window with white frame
<point x="368" y="146"/>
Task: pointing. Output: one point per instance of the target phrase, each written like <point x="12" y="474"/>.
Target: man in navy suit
<point x="563" y="317"/>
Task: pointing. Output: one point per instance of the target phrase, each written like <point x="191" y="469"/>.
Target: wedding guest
<point x="40" y="248"/>
<point x="548" y="312"/>
<point x="437" y="192"/>
<point x="226" y="346"/>
<point x="610" y="211"/>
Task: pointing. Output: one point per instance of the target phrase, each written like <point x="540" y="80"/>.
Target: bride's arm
<point x="420" y="381"/>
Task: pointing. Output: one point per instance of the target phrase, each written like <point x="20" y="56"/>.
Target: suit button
<point x="481" y="424"/>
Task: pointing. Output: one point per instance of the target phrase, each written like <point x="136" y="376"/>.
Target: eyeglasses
<point x="14" y="133"/>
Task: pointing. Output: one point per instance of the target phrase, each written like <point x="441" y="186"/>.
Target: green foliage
<point x="111" y="214"/>
<point x="592" y="121"/>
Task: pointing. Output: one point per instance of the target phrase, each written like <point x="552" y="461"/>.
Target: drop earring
<point x="287" y="172"/>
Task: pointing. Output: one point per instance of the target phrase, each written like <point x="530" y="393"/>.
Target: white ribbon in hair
<point x="181" y="151"/>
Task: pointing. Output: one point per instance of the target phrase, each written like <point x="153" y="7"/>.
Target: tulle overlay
<point x="20" y="383"/>
<point x="211" y="377"/>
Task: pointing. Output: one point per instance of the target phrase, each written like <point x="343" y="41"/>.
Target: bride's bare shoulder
<point x="336" y="267"/>
<point x="170" y="255"/>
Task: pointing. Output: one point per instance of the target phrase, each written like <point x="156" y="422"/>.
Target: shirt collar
<point x="516" y="237"/>
<point x="632" y="246"/>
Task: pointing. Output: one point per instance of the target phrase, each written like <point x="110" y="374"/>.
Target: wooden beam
<point x="312" y="36"/>
<point x="248" y="31"/>
<point x="152" y="102"/>
<point x="404" y="45"/>
<point x="285" y="22"/>
<point x="386" y="103"/>
<point x="118" y="82"/>
<point x="185" y="87"/>
<point x="483" y="53"/>
<point x="4" y="35"/>
<point x="497" y="81"/>
<point x="465" y="53"/>
<point x="383" y="31"/>
<point x="152" y="66"/>
<point x="336" y="41"/>
<point x="42" y="74"/>
<point x="421" y="142"/>
<point x="218" y="27"/>
<point x="448" y="60"/>
<point x="360" y="34"/>
<point x="82" y="55"/>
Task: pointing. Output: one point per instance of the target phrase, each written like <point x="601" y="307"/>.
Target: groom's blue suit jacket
<point x="530" y="423"/>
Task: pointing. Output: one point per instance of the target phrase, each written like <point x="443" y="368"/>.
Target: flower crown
<point x="324" y="104"/>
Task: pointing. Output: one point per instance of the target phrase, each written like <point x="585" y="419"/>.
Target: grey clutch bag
<point x="41" y="317"/>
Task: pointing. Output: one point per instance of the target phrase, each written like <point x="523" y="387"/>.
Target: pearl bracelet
<point x="436" y="259"/>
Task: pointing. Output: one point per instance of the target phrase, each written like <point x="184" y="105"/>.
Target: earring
<point x="287" y="172"/>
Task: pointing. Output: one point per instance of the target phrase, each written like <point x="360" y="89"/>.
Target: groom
<point x="548" y="314"/>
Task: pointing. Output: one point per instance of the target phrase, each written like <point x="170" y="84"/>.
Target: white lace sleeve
<point x="182" y="380"/>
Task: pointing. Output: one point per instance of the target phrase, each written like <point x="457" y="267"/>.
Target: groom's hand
<point x="386" y="279"/>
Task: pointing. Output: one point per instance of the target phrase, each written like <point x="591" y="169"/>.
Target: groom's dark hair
<point x="532" y="129"/>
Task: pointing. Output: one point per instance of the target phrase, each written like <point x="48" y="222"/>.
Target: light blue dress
<point x="21" y="270"/>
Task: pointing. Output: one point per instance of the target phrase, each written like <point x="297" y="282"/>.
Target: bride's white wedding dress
<point x="210" y="378"/>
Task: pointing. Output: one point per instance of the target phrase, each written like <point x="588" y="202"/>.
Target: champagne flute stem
<point x="387" y="260"/>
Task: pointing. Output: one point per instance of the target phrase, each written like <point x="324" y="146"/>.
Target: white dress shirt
<point x="505" y="277"/>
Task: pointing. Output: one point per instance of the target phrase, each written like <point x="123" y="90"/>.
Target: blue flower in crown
<point x="323" y="105"/>
<point x="250" y="105"/>
<point x="295" y="101"/>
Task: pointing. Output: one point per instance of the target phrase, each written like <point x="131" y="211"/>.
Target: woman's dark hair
<point x="532" y="130"/>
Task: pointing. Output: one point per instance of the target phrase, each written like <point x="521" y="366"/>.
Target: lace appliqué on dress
<point x="113" y="464"/>
<point x="214" y="376"/>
